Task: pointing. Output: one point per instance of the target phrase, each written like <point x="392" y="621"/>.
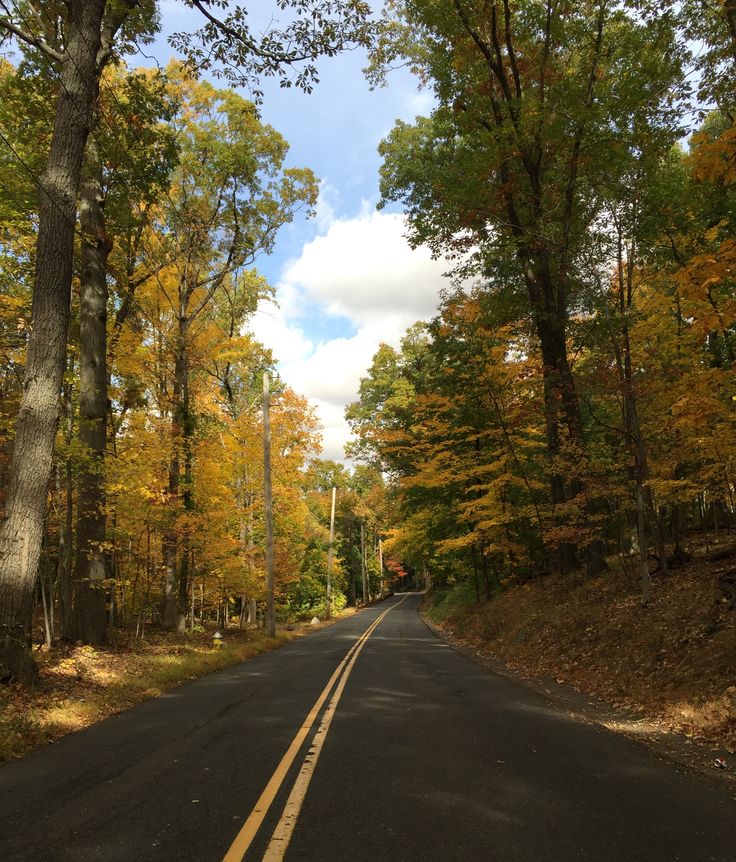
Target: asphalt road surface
<point x="385" y="748"/>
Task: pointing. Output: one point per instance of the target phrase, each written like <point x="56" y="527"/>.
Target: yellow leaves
<point x="714" y="159"/>
<point x="704" y="272"/>
<point x="460" y="543"/>
<point x="671" y="491"/>
<point x="11" y="306"/>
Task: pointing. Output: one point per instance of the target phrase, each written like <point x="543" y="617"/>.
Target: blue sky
<point x="345" y="280"/>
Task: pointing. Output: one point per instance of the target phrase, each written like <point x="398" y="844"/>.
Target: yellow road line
<point x="276" y="849"/>
<point x="245" y="837"/>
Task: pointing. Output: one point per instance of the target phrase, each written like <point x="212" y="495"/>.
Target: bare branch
<point x="29" y="39"/>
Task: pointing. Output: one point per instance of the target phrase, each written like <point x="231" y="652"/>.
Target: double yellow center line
<point x="282" y="834"/>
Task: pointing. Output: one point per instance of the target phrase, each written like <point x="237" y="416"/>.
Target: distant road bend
<point x="369" y="740"/>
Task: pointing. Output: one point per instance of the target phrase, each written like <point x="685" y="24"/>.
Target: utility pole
<point x="363" y="573"/>
<point x="380" y="563"/>
<point x="268" y="508"/>
<point x="328" y="599"/>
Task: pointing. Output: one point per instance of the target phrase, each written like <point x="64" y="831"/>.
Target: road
<point x="414" y="754"/>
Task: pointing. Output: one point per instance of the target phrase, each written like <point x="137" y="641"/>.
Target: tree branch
<point x="34" y="41"/>
<point x="249" y="43"/>
<point x="110" y="26"/>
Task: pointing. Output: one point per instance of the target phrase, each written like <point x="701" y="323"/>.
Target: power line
<point x="132" y="197"/>
<point x="33" y="217"/>
<point x="36" y="180"/>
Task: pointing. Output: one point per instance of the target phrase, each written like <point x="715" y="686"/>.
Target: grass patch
<point x="451" y="604"/>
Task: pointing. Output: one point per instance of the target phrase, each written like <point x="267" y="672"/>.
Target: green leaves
<point x="230" y="47"/>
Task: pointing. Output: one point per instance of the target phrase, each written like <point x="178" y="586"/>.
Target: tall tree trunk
<point x="183" y="586"/>
<point x="474" y="554"/>
<point x="363" y="573"/>
<point x="169" y="549"/>
<point x="427" y="577"/>
<point x="559" y="395"/>
<point x="64" y="566"/>
<point x="635" y="437"/>
<point x="21" y="531"/>
<point x="89" y="624"/>
<point x="186" y="427"/>
<point x="729" y="7"/>
<point x="46" y="606"/>
<point x="175" y="546"/>
<point x="380" y="567"/>
<point x="486" y="575"/>
<point x="242" y="496"/>
<point x="251" y="549"/>
<point x="641" y="470"/>
<point x="328" y="592"/>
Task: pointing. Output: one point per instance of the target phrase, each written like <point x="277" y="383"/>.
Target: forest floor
<point x="79" y="685"/>
<point x="670" y="666"/>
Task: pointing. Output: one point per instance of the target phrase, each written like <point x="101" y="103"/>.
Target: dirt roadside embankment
<point x="665" y="673"/>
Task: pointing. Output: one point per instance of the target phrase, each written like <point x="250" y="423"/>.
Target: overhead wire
<point x="37" y="181"/>
<point x="126" y="149"/>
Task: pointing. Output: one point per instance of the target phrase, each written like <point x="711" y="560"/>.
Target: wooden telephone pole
<point x="380" y="563"/>
<point x="268" y="507"/>
<point x="328" y="600"/>
<point x="363" y="572"/>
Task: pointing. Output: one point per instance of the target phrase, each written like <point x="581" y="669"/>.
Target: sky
<point x="345" y="280"/>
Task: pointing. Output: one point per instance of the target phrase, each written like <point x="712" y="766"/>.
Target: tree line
<point x="133" y="204"/>
<point x="574" y="398"/>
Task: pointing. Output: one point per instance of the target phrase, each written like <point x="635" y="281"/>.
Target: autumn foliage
<point x="572" y="403"/>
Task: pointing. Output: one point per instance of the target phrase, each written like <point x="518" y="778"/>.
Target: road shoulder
<point x="590" y="709"/>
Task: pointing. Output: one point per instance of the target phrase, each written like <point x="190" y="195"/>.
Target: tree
<point x="79" y="48"/>
<point x="535" y="101"/>
<point x="230" y="197"/>
<point x="89" y="36"/>
<point x="122" y="178"/>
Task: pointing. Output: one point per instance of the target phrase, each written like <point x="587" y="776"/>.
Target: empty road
<point x="368" y="741"/>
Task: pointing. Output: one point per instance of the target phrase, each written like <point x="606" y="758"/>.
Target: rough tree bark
<point x="21" y="531"/>
<point x="64" y="565"/>
<point x="89" y="619"/>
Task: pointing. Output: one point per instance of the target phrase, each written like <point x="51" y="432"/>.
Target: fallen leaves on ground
<point x="672" y="662"/>
<point x="79" y="685"/>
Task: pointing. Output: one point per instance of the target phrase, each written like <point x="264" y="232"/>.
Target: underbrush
<point x="451" y="604"/>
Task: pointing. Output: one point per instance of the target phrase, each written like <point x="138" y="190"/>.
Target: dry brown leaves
<point x="673" y="662"/>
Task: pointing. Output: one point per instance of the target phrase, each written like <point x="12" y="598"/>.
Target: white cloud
<point x="272" y="329"/>
<point x="361" y="269"/>
<point x="325" y="209"/>
<point x="364" y="269"/>
<point x="419" y="103"/>
<point x="332" y="372"/>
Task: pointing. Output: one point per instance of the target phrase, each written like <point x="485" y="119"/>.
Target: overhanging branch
<point x="34" y="41"/>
